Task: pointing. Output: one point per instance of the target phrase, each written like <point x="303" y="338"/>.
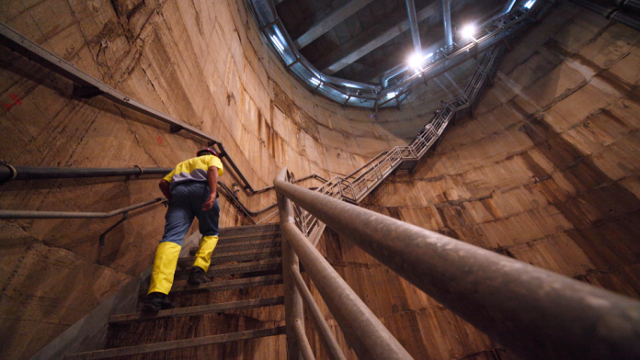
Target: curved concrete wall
<point x="547" y="172"/>
<point x="202" y="62"/>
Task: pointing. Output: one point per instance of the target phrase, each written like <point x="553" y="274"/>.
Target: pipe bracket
<point x="125" y="216"/>
<point x="141" y="170"/>
<point x="14" y="172"/>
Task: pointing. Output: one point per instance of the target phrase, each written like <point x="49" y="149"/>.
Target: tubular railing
<point x="536" y="313"/>
<point x="366" y="334"/>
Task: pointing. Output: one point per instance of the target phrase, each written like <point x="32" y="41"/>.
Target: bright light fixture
<point x="468" y="31"/>
<point x="415" y="61"/>
<point x="392" y="94"/>
<point x="529" y="4"/>
<point x="315" y="81"/>
<point x="277" y="43"/>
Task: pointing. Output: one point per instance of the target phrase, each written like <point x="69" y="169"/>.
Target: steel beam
<point x="329" y="22"/>
<point x="334" y="62"/>
<point x="446" y="20"/>
<point x="413" y="23"/>
<point x="536" y="313"/>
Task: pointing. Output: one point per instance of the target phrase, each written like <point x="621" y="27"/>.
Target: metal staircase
<point x="245" y="259"/>
<point x="251" y="256"/>
<point x="353" y="188"/>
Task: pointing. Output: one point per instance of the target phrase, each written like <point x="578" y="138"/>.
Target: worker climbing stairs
<point x="239" y="304"/>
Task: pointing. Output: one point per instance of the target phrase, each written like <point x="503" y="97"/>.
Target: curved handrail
<point x="368" y="336"/>
<point x="536" y="313"/>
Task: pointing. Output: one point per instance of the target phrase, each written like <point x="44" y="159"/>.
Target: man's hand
<point x="210" y="202"/>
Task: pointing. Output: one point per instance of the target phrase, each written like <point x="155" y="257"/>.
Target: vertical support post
<point x="446" y="19"/>
<point x="415" y="31"/>
<point x="293" y="310"/>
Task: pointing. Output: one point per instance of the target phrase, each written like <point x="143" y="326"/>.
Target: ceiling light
<point x="415" y="61"/>
<point x="315" y="81"/>
<point x="468" y="31"/>
<point x="529" y="4"/>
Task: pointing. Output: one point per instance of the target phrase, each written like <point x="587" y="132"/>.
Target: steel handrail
<point x="536" y="313"/>
<point x="90" y="86"/>
<point x="384" y="163"/>
<point x="363" y="330"/>
<point x="19" y="214"/>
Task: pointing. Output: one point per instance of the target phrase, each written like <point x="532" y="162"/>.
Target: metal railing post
<point x="536" y="313"/>
<point x="328" y="340"/>
<point x="292" y="300"/>
<point x="363" y="330"/>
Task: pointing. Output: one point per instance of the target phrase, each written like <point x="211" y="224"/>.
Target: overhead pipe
<point x="618" y="14"/>
<point x="535" y="313"/>
<point x="415" y="30"/>
<point x="448" y="31"/>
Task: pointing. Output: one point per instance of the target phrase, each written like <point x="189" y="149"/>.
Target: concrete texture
<point x="201" y="62"/>
<point x="547" y="172"/>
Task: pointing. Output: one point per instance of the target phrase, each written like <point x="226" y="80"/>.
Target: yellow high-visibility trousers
<point x="164" y="267"/>
<point x="203" y="257"/>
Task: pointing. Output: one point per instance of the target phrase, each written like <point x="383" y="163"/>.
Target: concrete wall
<point x="202" y="62"/>
<point x="548" y="172"/>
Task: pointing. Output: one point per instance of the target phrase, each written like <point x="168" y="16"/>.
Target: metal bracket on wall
<point x="125" y="216"/>
<point x="175" y="128"/>
<point x="86" y="91"/>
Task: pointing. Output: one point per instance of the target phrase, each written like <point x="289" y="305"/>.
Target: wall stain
<point x="394" y="212"/>
<point x="612" y="117"/>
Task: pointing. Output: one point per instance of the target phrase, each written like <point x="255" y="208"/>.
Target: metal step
<point x="231" y="284"/>
<point x="238" y="256"/>
<point x="178" y="344"/>
<point x="198" y="310"/>
<point x="249" y="237"/>
<point x="247" y="230"/>
<point x="245" y="246"/>
<point x="230" y="269"/>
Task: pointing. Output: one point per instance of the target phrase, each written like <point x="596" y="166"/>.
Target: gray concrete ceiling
<point x="360" y="39"/>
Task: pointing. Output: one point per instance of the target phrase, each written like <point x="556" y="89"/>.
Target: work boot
<point x="197" y="276"/>
<point x="157" y="301"/>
